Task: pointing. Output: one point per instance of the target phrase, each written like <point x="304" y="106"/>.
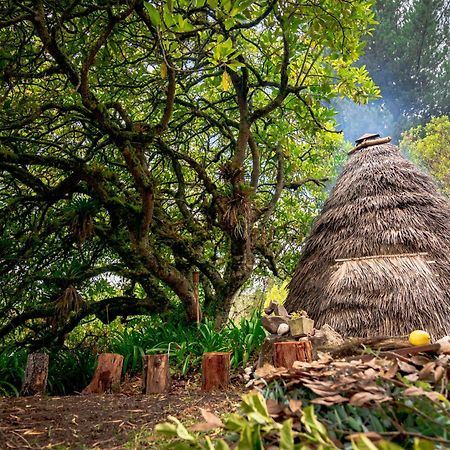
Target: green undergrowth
<point x="314" y="428"/>
<point x="404" y="420"/>
<point x="71" y="367"/>
<point x="186" y="344"/>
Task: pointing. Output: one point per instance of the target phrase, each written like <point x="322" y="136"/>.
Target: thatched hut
<point x="377" y="260"/>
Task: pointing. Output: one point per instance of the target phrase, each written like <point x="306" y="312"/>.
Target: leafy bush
<point x="71" y="369"/>
<point x="413" y="421"/>
<point x="12" y="370"/>
<point x="254" y="429"/>
<point x="187" y="343"/>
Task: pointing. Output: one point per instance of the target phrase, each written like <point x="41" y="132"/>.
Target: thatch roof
<point x="377" y="260"/>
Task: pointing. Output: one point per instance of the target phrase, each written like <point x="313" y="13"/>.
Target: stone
<point x="283" y="328"/>
<point x="280" y="310"/>
<point x="271" y="323"/>
<point x="326" y="337"/>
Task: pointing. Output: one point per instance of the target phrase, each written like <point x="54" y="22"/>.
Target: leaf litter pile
<point x="360" y="383"/>
<point x="387" y="401"/>
<point x="395" y="396"/>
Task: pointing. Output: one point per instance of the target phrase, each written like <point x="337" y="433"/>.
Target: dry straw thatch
<point x="377" y="261"/>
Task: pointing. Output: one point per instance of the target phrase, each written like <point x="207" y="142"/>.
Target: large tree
<point x="140" y="141"/>
<point x="408" y="57"/>
<point x="429" y="146"/>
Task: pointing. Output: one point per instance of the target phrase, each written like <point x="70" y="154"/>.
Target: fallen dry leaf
<point x="369" y="434"/>
<point x="427" y="371"/>
<point x="319" y="390"/>
<point x="274" y="408"/>
<point x="391" y="372"/>
<point x="295" y="405"/>
<point x="363" y="398"/>
<point x="269" y="371"/>
<point x="331" y="400"/>
<point x="414" y="391"/>
<point x="438" y="373"/>
<point x="405" y="367"/>
<point x="413" y="377"/>
<point x="211" y="422"/>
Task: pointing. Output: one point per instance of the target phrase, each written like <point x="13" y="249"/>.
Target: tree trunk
<point x="156" y="374"/>
<point x="286" y="353"/>
<point x="36" y="374"/>
<point x="107" y="375"/>
<point x="215" y="370"/>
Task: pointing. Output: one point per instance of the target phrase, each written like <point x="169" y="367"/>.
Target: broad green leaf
<point x="362" y="442"/>
<point x="221" y="445"/>
<point x="153" y="14"/>
<point x="250" y="438"/>
<point x="286" y="436"/>
<point x="166" y="428"/>
<point x="169" y="18"/>
<point x="311" y="423"/>
<point x="235" y="422"/>
<point x="181" y="430"/>
<point x="255" y="403"/>
<point x="423" y="444"/>
<point x="386" y="445"/>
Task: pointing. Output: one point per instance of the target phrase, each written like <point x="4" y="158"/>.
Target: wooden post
<point x="107" y="375"/>
<point x="156" y="374"/>
<point x="215" y="370"/>
<point x="286" y="353"/>
<point x="36" y="374"/>
<point x="196" y="282"/>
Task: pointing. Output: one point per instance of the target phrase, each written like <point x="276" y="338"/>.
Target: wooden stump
<point x="156" y="374"/>
<point x="215" y="370"/>
<point x="36" y="374"/>
<point x="286" y="353"/>
<point x="266" y="354"/>
<point x="107" y="375"/>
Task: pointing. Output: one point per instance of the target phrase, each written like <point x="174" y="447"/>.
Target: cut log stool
<point x="36" y="374"/>
<point x="286" y="353"/>
<point x="107" y="375"/>
<point x="156" y="374"/>
<point x="215" y="370"/>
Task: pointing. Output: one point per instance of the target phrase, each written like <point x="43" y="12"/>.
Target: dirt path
<point x="102" y="421"/>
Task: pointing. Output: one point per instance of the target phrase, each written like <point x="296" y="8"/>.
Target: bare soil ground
<point x="109" y="421"/>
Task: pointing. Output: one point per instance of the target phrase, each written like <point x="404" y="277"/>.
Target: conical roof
<point x="377" y="260"/>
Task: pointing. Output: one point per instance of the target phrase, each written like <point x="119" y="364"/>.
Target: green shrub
<point x="252" y="428"/>
<point x="71" y="369"/>
<point x="186" y="343"/>
<point x="12" y="370"/>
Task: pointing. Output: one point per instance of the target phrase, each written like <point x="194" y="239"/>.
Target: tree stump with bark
<point x="156" y="374"/>
<point x="36" y="374"/>
<point x="266" y="354"/>
<point x="286" y="353"/>
<point x="215" y="371"/>
<point x="107" y="375"/>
